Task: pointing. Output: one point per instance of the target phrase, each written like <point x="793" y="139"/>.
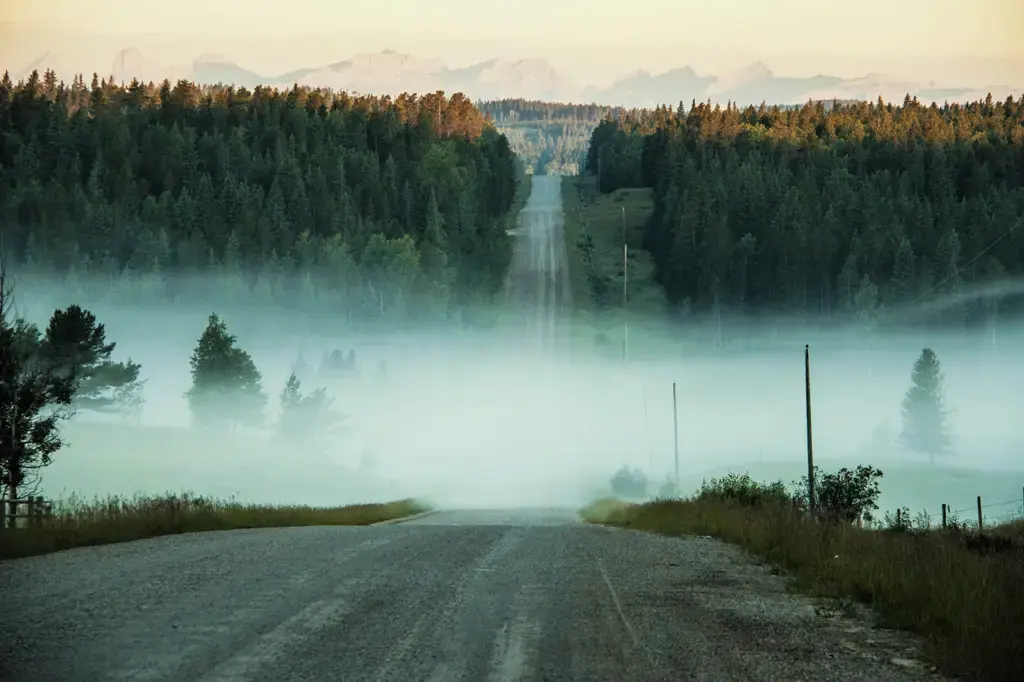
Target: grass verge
<point x="593" y="230"/>
<point x="594" y="235"/>
<point x="959" y="590"/>
<point x="79" y="523"/>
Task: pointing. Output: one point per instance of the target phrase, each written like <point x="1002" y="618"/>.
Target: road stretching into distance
<point x="538" y="278"/>
<point x="473" y="595"/>
<point x="454" y="595"/>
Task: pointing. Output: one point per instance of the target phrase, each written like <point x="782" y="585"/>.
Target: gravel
<point x="498" y="595"/>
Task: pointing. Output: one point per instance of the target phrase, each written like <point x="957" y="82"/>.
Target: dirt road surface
<point x="538" y="279"/>
<point x="474" y="595"/>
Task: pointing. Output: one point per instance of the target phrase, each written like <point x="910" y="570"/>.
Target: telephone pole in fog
<point x="810" y="440"/>
<point x="675" y="425"/>
<point x="625" y="285"/>
<point x="625" y="262"/>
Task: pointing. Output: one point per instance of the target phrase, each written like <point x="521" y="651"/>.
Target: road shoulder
<point x="700" y="604"/>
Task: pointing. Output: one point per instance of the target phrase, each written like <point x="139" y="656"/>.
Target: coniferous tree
<point x="178" y="196"/>
<point x="306" y="416"/>
<point x="226" y="386"/>
<point x="34" y="397"/>
<point x="77" y="344"/>
<point x="924" y="412"/>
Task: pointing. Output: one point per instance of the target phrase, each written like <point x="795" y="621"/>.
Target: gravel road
<point x="474" y="595"/>
<point x="538" y="278"/>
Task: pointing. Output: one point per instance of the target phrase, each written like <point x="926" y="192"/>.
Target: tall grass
<point x="80" y="523"/>
<point x="960" y="590"/>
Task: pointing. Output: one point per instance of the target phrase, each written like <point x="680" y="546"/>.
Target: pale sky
<point x="911" y="38"/>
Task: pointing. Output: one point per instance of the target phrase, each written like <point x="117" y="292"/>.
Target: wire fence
<point x="974" y="517"/>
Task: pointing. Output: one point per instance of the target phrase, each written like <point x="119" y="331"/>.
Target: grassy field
<point x="594" y="240"/>
<point x="956" y="588"/>
<point x="81" y="523"/>
<point x="122" y="459"/>
<point x="600" y="218"/>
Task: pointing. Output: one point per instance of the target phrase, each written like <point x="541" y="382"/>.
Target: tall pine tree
<point x="924" y="412"/>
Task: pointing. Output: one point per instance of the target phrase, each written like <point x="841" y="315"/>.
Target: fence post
<point x="12" y="513"/>
<point x="3" y="515"/>
<point x="899" y="520"/>
<point x="981" y="522"/>
<point x="943" y="515"/>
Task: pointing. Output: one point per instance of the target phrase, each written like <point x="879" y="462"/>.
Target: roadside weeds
<point x="79" y="523"/>
<point x="959" y="592"/>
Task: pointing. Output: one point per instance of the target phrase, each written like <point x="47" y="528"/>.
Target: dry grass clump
<point x="81" y="523"/>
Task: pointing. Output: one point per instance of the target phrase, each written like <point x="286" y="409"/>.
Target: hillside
<point x="356" y="205"/>
<point x="882" y="214"/>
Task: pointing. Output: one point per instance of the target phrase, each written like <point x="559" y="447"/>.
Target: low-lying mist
<point x="486" y="418"/>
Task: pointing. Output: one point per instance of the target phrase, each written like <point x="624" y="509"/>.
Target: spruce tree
<point x="306" y="418"/>
<point x="226" y="386"/>
<point x="77" y="345"/>
<point x="924" y="413"/>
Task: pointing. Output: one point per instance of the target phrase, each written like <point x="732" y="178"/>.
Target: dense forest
<point x="359" y="204"/>
<point x="550" y="138"/>
<point x="821" y="210"/>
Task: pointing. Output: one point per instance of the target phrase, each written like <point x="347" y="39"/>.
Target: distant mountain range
<point x="391" y="72"/>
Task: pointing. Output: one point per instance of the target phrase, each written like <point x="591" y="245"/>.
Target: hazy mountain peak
<point x="128" y="55"/>
<point x="47" y="60"/>
<point x="635" y="74"/>
<point x="390" y="71"/>
<point x="212" y="58"/>
<point x="383" y="57"/>
<point x="130" y="63"/>
<point x="757" y="71"/>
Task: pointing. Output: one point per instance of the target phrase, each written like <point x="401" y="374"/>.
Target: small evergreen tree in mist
<point x="924" y="413"/>
<point x="629" y="483"/>
<point x="307" y="417"/>
<point x="226" y="386"/>
<point x="668" y="489"/>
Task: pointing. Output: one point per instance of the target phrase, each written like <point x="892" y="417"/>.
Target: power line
<point x="965" y="265"/>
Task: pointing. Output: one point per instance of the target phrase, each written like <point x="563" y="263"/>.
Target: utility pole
<point x="625" y="262"/>
<point x="625" y="275"/>
<point x="675" y="425"/>
<point x="810" y="440"/>
<point x="647" y="435"/>
<point x="625" y="285"/>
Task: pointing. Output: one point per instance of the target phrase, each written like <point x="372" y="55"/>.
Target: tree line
<point x="822" y="210"/>
<point x="551" y="138"/>
<point x="368" y="206"/>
